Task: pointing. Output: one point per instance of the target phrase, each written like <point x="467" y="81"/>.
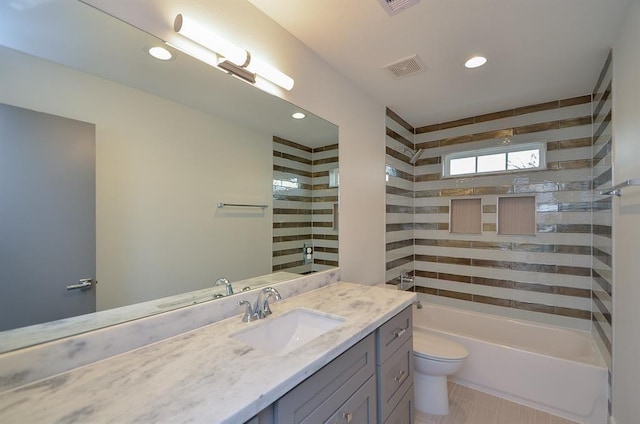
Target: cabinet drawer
<point x="394" y="378"/>
<point x="393" y="334"/>
<point x="324" y="392"/>
<point x="358" y="409"/>
<point x="403" y="414"/>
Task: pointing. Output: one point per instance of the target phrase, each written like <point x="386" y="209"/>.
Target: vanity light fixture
<point x="230" y="57"/>
<point x="160" y="53"/>
<point x="475" y="62"/>
<point x="298" y="115"/>
<point x="201" y="35"/>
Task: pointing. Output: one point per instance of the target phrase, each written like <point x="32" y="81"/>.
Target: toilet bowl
<point x="434" y="358"/>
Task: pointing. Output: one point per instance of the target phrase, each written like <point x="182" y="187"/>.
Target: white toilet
<point x="434" y="358"/>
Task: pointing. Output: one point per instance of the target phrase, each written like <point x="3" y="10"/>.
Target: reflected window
<point x="281" y="185"/>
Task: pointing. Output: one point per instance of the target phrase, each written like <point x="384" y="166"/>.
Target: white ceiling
<point x="538" y="50"/>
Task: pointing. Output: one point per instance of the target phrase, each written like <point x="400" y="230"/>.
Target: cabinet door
<point x="358" y="409"/>
<point x="394" y="378"/>
<point x="403" y="414"/>
<point x="320" y="395"/>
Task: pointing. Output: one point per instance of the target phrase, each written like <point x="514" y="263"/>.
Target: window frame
<point x="540" y="145"/>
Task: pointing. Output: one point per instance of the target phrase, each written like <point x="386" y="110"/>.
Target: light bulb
<point x="203" y="36"/>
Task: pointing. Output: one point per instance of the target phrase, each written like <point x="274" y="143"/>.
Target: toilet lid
<point x="429" y="345"/>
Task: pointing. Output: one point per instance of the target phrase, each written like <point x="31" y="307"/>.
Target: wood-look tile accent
<point x="400" y="194"/>
<point x="505" y="114"/>
<point x="395" y="117"/>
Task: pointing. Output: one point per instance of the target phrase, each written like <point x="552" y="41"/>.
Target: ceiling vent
<point x="393" y="7"/>
<point x="405" y="67"/>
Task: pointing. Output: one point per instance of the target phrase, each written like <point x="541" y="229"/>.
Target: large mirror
<point x="169" y="142"/>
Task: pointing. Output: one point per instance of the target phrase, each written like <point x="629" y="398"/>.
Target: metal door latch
<point x="83" y="284"/>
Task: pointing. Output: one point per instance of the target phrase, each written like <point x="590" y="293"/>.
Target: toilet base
<point x="431" y="394"/>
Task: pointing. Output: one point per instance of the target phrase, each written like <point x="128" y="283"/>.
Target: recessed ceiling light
<point x="475" y="62"/>
<point x="298" y="115"/>
<point x="160" y="53"/>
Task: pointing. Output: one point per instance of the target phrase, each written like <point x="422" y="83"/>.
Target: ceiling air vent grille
<point x="406" y="67"/>
<point x="396" y="6"/>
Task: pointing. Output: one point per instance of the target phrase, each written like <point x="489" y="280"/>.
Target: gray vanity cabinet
<point x="394" y="369"/>
<point x="343" y="391"/>
<point x="372" y="382"/>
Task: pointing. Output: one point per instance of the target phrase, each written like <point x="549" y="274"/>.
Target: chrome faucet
<point x="227" y="283"/>
<point x="262" y="309"/>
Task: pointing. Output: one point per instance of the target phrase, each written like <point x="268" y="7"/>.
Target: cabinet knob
<point x="348" y="416"/>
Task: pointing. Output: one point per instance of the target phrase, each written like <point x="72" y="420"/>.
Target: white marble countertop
<point x="202" y="375"/>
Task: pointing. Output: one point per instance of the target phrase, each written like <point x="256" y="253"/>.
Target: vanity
<point x="371" y="382"/>
<point x="358" y="371"/>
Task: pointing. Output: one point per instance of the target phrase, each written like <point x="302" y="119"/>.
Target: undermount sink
<point x="281" y="334"/>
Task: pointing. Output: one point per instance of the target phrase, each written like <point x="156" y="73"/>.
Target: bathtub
<point x="552" y="369"/>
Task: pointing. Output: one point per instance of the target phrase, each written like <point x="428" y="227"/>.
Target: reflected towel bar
<point x="241" y="205"/>
<point x="617" y="189"/>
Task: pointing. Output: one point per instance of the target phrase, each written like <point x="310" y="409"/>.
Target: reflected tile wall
<point x="303" y="207"/>
<point x="546" y="277"/>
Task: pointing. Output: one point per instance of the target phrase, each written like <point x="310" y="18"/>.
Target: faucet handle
<point x="249" y="315"/>
<point x="262" y="308"/>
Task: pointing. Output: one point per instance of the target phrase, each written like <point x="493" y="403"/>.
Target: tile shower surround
<point x="304" y="214"/>
<point x="546" y="277"/>
<point x="601" y="272"/>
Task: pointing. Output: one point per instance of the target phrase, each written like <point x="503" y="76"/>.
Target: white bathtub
<point x="548" y="368"/>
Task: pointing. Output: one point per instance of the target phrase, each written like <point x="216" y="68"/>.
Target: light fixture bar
<point x="233" y="59"/>
<point x="238" y="71"/>
<point x="201" y="35"/>
<point x="270" y="73"/>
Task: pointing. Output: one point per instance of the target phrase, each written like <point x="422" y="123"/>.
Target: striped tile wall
<point x="602" y="280"/>
<point x="324" y="208"/>
<point x="399" y="198"/>
<point x="544" y="278"/>
<point x="303" y="205"/>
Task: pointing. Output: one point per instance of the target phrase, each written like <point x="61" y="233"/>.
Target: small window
<point x="465" y="216"/>
<point x="509" y="158"/>
<point x="517" y="215"/>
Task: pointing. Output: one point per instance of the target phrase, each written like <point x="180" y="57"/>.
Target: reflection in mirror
<point x="305" y="237"/>
<point x="171" y="139"/>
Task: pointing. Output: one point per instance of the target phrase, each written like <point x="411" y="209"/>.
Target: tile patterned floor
<point x="468" y="406"/>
